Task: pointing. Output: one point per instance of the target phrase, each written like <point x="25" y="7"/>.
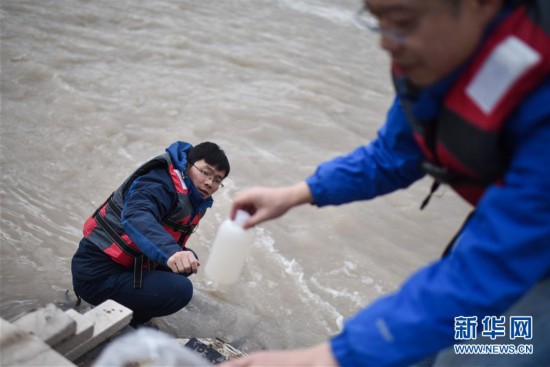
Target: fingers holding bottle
<point x="263" y="203"/>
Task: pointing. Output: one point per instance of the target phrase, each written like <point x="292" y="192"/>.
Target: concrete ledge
<point x="19" y="348"/>
<point x="108" y="318"/>
<point x="84" y="331"/>
<point x="49" y="324"/>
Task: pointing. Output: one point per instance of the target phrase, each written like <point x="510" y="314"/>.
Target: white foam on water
<point x="295" y="271"/>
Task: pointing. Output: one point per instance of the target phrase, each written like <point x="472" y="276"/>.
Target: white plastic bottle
<point x="229" y="251"/>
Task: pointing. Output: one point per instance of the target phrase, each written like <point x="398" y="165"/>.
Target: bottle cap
<point x="241" y="216"/>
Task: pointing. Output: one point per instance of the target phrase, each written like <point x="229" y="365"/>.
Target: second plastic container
<point x="229" y="250"/>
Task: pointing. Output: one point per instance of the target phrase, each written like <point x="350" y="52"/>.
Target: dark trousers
<point x="162" y="292"/>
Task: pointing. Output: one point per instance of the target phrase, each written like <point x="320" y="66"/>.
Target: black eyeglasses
<point x="366" y="20"/>
<point x="215" y="180"/>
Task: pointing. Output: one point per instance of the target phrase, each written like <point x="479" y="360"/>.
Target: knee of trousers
<point x="181" y="294"/>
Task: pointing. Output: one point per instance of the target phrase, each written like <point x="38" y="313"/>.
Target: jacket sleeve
<point x="148" y="200"/>
<point x="500" y="254"/>
<point x="390" y="162"/>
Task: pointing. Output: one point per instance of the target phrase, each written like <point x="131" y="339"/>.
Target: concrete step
<point x="52" y="337"/>
<point x="49" y="324"/>
<point x="19" y="348"/>
<point x="108" y="318"/>
<point x="84" y="331"/>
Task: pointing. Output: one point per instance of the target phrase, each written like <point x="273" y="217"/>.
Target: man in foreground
<point x="472" y="81"/>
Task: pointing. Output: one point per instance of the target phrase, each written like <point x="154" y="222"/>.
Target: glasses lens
<point x="366" y="20"/>
<point x="210" y="176"/>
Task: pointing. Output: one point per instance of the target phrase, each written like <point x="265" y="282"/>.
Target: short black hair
<point x="212" y="154"/>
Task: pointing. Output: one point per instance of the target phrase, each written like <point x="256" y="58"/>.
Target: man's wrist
<point x="300" y="194"/>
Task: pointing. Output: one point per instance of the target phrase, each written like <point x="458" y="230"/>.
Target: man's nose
<point x="209" y="180"/>
<point x="390" y="43"/>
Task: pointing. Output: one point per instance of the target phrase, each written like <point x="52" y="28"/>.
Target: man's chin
<point x="420" y="78"/>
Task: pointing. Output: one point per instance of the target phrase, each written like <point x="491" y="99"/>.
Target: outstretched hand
<point x="263" y="203"/>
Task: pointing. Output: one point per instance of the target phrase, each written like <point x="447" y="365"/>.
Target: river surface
<point x="91" y="89"/>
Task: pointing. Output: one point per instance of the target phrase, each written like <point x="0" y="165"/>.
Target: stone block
<point x="108" y="318"/>
<point x="84" y="331"/>
<point x="49" y="324"/>
<point x="19" y="348"/>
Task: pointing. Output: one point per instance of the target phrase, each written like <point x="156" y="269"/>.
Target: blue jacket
<point x="500" y="254"/>
<point x="150" y="198"/>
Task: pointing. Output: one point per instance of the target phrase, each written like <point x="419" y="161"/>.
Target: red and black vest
<point x="104" y="227"/>
<point x="465" y="145"/>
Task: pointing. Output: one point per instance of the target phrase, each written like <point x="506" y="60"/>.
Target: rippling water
<point x="90" y="89"/>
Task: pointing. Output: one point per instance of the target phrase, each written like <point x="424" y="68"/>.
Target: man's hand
<point x="183" y="262"/>
<point x="264" y="203"/>
<point x="317" y="356"/>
